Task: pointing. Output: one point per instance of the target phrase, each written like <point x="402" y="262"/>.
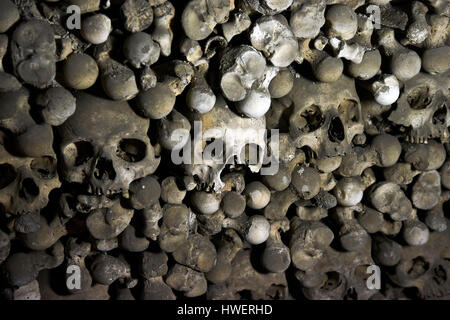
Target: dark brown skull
<point x="105" y="145"/>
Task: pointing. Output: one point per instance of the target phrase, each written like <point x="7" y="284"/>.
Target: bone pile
<point x="359" y="91"/>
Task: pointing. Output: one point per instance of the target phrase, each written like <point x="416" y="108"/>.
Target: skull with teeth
<point x="25" y="182"/>
<point x="235" y="135"/>
<point x="423" y="108"/>
<point x="105" y="145"/>
<point x="326" y="116"/>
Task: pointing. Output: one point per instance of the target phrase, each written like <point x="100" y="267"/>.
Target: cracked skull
<point x="105" y="146"/>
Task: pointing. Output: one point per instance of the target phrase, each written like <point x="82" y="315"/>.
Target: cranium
<point x="426" y="267"/>
<point x="25" y="182"/>
<point x="344" y="276"/>
<point x="105" y="145"/>
<point x="234" y="133"/>
<point x="245" y="278"/>
<point x="424" y="108"/>
<point x="326" y="116"/>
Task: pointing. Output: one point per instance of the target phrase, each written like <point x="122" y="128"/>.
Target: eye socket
<point x="417" y="267"/>
<point x="419" y="98"/>
<point x="310" y="119"/>
<point x="78" y="153"/>
<point x="44" y="167"/>
<point x="131" y="150"/>
<point x="333" y="281"/>
<point x="349" y="110"/>
<point x="7" y="175"/>
<point x="28" y="190"/>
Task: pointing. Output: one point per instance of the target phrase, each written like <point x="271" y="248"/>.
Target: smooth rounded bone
<point x="96" y="28"/>
<point x="348" y="191"/>
<point x="157" y="102"/>
<point x="8" y="15"/>
<point x="58" y="105"/>
<point x="233" y="204"/>
<point x="405" y="63"/>
<point x="306" y="182"/>
<point x="436" y="60"/>
<point x="80" y="71"/>
<point x="140" y="50"/>
<point x="276" y="256"/>
<point x="342" y="21"/>
<point x="386" y="91"/>
<point x="258" y="196"/>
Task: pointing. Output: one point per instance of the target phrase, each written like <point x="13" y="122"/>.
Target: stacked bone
<point x="90" y="120"/>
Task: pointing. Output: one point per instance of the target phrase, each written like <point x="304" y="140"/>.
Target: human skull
<point x="423" y="108"/>
<point x="25" y="182"/>
<point x="326" y="116"/>
<point x="234" y="133"/>
<point x="105" y="145"/>
<point x="244" y="278"/>
<point x="338" y="275"/>
<point x="426" y="267"/>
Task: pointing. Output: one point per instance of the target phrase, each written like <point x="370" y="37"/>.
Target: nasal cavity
<point x="440" y="116"/>
<point x="104" y="169"/>
<point x="336" y="130"/>
<point x="29" y="190"/>
<point x="7" y="175"/>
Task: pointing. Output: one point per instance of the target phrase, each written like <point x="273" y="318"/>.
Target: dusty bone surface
<point x="137" y="149"/>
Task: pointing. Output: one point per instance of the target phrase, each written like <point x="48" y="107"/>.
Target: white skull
<point x="234" y="133"/>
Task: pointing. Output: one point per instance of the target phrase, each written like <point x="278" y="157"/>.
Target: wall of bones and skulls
<point x="96" y="98"/>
